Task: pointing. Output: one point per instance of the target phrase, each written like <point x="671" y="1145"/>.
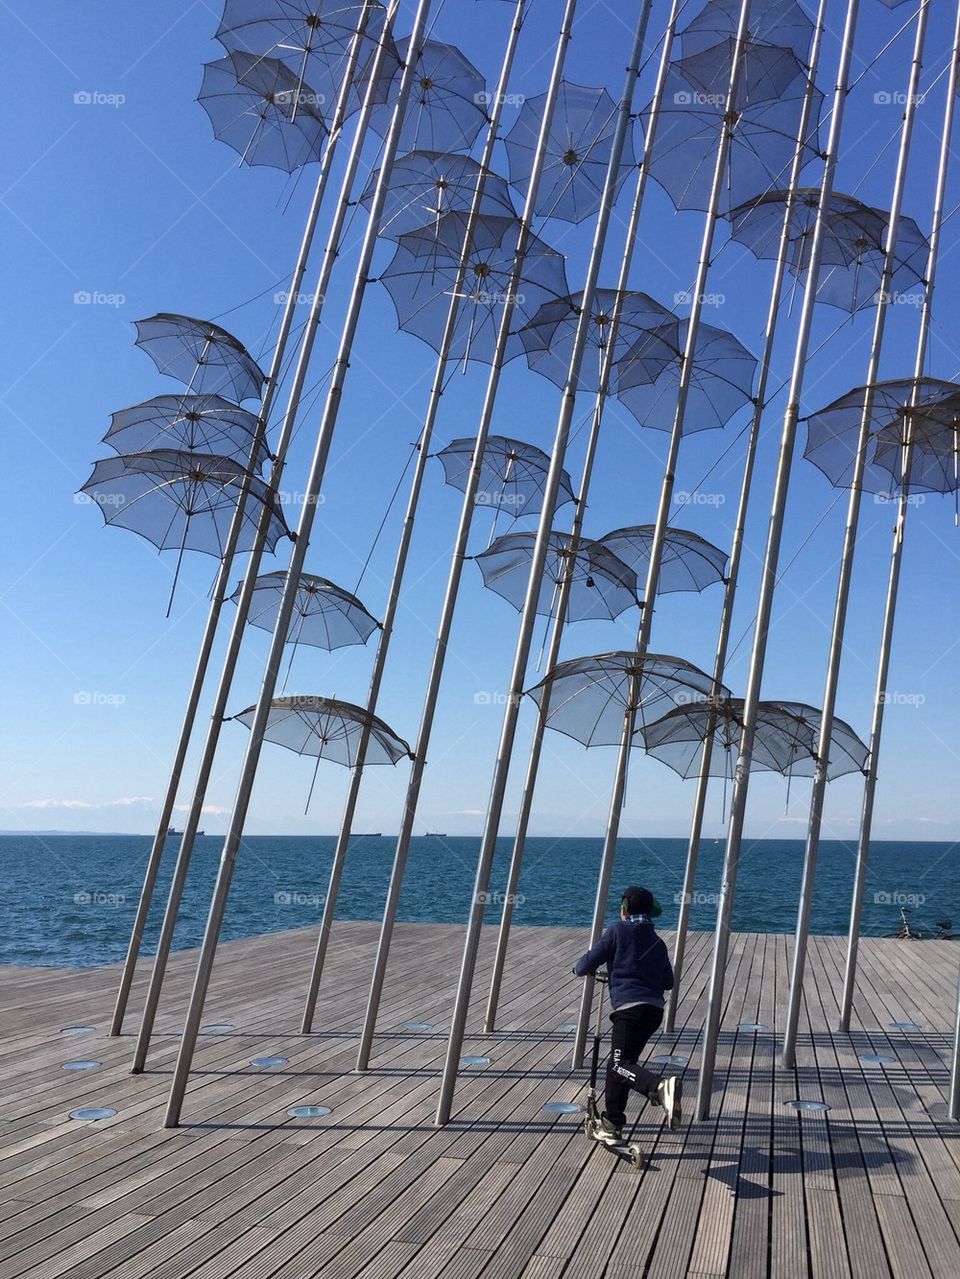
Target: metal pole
<point x="663" y="515"/>
<point x="528" y="620"/>
<point x="312" y="492"/>
<point x="459" y="553"/>
<point x="559" y="622"/>
<point x="736" y="544"/>
<point x="896" y="557"/>
<point x="242" y="611"/>
<point x="233" y="536"/>
<point x="769" y="577"/>
<point x="953" y="1101"/>
<point x="818" y="792"/>
<point x="406" y="534"/>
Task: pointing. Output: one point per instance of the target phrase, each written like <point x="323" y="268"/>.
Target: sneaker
<point x="608" y="1132"/>
<point x="669" y="1093"/>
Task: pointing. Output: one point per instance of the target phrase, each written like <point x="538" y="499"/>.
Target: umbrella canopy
<point x="312" y="37"/>
<point x="579" y="142"/>
<point x="180" y="500"/>
<point x="763" y="128"/>
<point x="785" y="740"/>
<point x="588" y="696"/>
<point x="778" y="22"/>
<point x="204" y="357"/>
<point x="324" y="615"/>
<point x="201" y="423"/>
<point x="512" y="474"/>
<point x="853" y="247"/>
<point x="424" y="271"/>
<point x="833" y="435"/>
<point x="688" y="562"/>
<point x="722" y="382"/>
<point x="447" y="107"/>
<point x="645" y="328"/>
<point x="328" y="729"/>
<point x="425" y="185"/>
<point x="260" y="108"/>
<point x="601" y="586"/>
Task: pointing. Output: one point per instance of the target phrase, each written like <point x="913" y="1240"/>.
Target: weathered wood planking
<point x="506" y="1191"/>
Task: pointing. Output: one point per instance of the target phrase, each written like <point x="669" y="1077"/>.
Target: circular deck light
<point x="93" y="1112"/>
<point x="267" y="1062"/>
<point x="308" y="1112"/>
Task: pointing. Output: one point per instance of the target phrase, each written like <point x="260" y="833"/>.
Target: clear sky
<point x="115" y="189"/>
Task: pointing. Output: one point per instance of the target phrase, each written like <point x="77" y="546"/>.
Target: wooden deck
<point x="375" y="1191"/>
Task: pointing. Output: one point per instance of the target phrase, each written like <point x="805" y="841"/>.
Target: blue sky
<point x="127" y="197"/>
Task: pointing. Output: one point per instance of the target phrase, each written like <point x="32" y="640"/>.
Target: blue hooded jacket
<point x="638" y="965"/>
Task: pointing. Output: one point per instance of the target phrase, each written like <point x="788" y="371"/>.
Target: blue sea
<point x="69" y="900"/>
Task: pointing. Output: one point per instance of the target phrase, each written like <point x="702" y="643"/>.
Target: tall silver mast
<point x="663" y="515"/>
<point x="233" y="536"/>
<point x="460" y="549"/>
<point x="896" y="556"/>
<point x="312" y="493"/>
<point x="235" y="643"/>
<point x="406" y="534"/>
<point x="769" y="577"/>
<point x="563" y="595"/>
<point x="818" y="792"/>
<point x="739" y="528"/>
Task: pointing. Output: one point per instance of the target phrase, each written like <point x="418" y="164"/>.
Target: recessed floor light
<point x="878" y="1059"/>
<point x="266" y="1062"/>
<point x="561" y="1108"/>
<point x="217" y="1028"/>
<point x="672" y="1059"/>
<point x="808" y="1105"/>
<point x="753" y="1026"/>
<point x="308" y="1112"/>
<point x="93" y="1112"/>
<point x="77" y="1030"/>
<point x="474" y="1061"/>
<point x="81" y="1065"/>
<point x="417" y="1025"/>
<point x="904" y="1025"/>
<point x="567" y="1027"/>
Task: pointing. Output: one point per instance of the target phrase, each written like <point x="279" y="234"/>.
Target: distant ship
<point x="435" y="834"/>
<point x="171" y="831"/>
<point x="367" y="834"/>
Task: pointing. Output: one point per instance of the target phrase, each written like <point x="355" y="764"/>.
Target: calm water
<point x="69" y="900"/>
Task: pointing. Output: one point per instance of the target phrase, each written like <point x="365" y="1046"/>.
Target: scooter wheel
<point x="636" y="1155"/>
<point x="590" y="1128"/>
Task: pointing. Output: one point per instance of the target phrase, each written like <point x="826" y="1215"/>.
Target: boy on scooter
<point x="639" y="971"/>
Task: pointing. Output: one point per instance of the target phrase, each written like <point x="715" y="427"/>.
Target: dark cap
<point x="640" y="901"/>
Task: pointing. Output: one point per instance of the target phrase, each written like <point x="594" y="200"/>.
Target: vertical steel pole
<point x="529" y="617"/>
<point x="229" y="551"/>
<point x="244" y="603"/>
<point x="559" y="621"/>
<point x="663" y="515"/>
<point x="739" y="528"/>
<point x="460" y="550"/>
<point x="406" y="534"/>
<point x="769" y="577"/>
<point x="896" y="557"/>
<point x="818" y="792"/>
<point x="312" y="492"/>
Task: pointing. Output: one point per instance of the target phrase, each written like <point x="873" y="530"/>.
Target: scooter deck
<point x="628" y="1150"/>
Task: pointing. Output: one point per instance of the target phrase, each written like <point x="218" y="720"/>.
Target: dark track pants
<point x="632" y="1027"/>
